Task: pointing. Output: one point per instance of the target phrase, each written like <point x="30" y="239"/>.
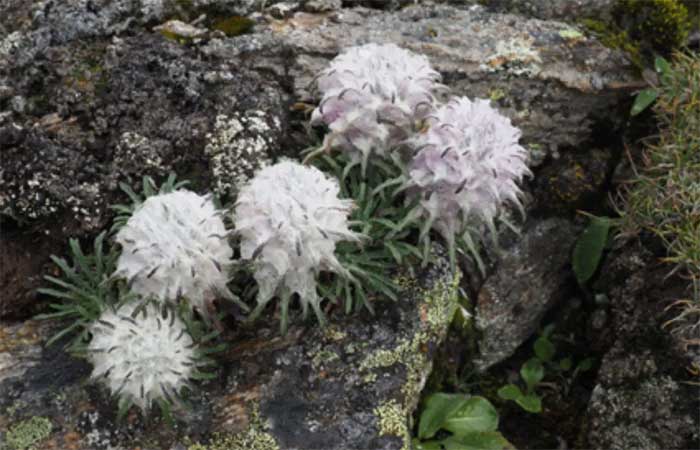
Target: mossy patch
<point x="26" y="434"/>
<point x="644" y="28"/>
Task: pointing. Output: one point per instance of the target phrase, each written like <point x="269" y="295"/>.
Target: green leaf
<point x="643" y="100"/>
<point x="589" y="249"/>
<point x="475" y="414"/>
<point x="509" y="392"/>
<point x="565" y="364"/>
<point x="492" y="440"/>
<point x="662" y="66"/>
<point x="544" y="349"/>
<point x="438" y="407"/>
<point x="530" y="403"/>
<point x="585" y="365"/>
<point x="532" y="372"/>
<point x="427" y="445"/>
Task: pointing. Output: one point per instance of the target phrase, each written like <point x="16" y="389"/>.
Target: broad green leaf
<point x="438" y="407"/>
<point x="475" y="415"/>
<point x="478" y="441"/>
<point x="509" y="392"/>
<point x="589" y="249"/>
<point x="532" y="372"/>
<point x="531" y="403"/>
<point x="643" y="100"/>
<point x="565" y="364"/>
<point x="544" y="349"/>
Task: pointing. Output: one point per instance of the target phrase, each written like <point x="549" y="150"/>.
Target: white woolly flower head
<point x="466" y="166"/>
<point x="175" y="245"/>
<point x="289" y="218"/>
<point x="373" y="96"/>
<point x="141" y="356"/>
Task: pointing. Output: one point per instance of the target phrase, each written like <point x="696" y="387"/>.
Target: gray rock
<point x="550" y="78"/>
<point x="352" y="385"/>
<point x="567" y="10"/>
<point x="641" y="399"/>
<point x="530" y="277"/>
<point x="320" y="6"/>
<point x="113" y="111"/>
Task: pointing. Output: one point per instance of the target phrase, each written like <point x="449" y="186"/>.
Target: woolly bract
<point x="173" y="246"/>
<point x="144" y="358"/>
<point x="465" y="167"/>
<point x="373" y="95"/>
<point x="289" y="218"/>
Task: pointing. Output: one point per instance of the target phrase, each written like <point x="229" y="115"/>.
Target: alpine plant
<point x="289" y="219"/>
<point x="374" y="97"/>
<point x="175" y="246"/>
<point x="466" y="166"/>
<point x="143" y="354"/>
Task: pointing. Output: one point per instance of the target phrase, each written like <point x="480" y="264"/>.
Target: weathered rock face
<point x="551" y="79"/>
<point x="531" y="276"/>
<point x="83" y="117"/>
<point x="91" y="95"/>
<point x="642" y="399"/>
<point x="352" y="385"/>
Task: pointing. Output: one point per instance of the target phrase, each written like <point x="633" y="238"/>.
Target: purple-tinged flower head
<point x="175" y="246"/>
<point x="142" y="356"/>
<point x="466" y="166"/>
<point x="289" y="219"/>
<point x="373" y="97"/>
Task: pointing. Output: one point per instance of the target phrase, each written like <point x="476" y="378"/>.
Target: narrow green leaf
<point x="643" y="100"/>
<point x="662" y="66"/>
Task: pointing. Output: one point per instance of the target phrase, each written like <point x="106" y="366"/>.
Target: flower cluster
<point x="465" y="159"/>
<point x="459" y="163"/>
<point x="143" y="355"/>
<point x="289" y="218"/>
<point x="373" y="98"/>
<point x="175" y="246"/>
<point x="466" y="166"/>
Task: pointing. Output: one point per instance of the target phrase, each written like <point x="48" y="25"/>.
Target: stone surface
<point x="568" y="10"/>
<point x="553" y="80"/>
<point x="531" y="276"/>
<point x="644" y="397"/>
<point x="352" y="385"/>
<point x="114" y="110"/>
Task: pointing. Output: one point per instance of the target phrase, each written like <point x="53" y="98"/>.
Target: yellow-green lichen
<point x="436" y="310"/>
<point x="496" y="94"/>
<point x="26" y="434"/>
<point x="571" y="34"/>
<point x="392" y="419"/>
<point x="323" y="357"/>
<point x="234" y="26"/>
<point x="254" y="437"/>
